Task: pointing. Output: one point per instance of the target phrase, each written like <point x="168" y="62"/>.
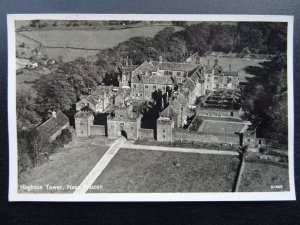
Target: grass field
<point x="68" y="166"/>
<point x="264" y="177"/>
<point x="154" y="171"/>
<point x="99" y="39"/>
<point x="91" y="39"/>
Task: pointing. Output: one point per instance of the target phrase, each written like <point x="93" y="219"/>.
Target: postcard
<point x="150" y="107"/>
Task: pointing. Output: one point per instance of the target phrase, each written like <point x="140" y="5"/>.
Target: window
<point x="131" y="128"/>
<point x="225" y="85"/>
<point x="164" y="136"/>
<point x="167" y="72"/>
<point x="146" y="86"/>
<point x="178" y="73"/>
<point x="216" y="78"/>
<point x="164" y="130"/>
<point x="248" y="140"/>
<point x="134" y="86"/>
<point x="154" y="87"/>
<point x="259" y="142"/>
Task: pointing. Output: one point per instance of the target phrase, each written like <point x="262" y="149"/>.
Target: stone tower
<point x="164" y="129"/>
<point x="83" y="122"/>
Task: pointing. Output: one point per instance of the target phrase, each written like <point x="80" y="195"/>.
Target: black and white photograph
<point x="150" y="107"/>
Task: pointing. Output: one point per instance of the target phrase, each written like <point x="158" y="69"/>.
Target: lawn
<point x="68" y="166"/>
<point x="143" y="171"/>
<point x="221" y="127"/>
<point x="262" y="176"/>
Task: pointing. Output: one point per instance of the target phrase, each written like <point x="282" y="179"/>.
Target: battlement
<point x="83" y="114"/>
<point x="164" y="120"/>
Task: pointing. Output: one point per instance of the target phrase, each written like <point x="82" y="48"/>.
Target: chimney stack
<point x="208" y="62"/>
<point x="198" y="60"/>
<point x="54" y="114"/>
<point x="216" y="62"/>
<point x="160" y="59"/>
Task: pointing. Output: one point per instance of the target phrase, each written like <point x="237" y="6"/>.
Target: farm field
<point x="90" y="39"/>
<point x="94" y="39"/>
<point x="68" y="166"/>
<point x="143" y="171"/>
<point x="26" y="80"/>
<point x="260" y="177"/>
<point x="236" y="64"/>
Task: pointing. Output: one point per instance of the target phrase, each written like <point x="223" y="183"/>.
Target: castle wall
<point x="98" y="130"/>
<point x="146" y="133"/>
<point x="179" y="135"/>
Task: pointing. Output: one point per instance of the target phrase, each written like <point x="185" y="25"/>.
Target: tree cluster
<point x="265" y="99"/>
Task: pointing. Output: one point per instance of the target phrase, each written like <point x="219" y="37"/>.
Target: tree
<point x="54" y="93"/>
<point x="26" y="109"/>
<point x="162" y="38"/>
<point x="265" y="98"/>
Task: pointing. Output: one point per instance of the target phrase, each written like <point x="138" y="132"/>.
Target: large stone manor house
<point x="198" y="101"/>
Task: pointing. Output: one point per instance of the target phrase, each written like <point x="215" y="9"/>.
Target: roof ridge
<point x="60" y="112"/>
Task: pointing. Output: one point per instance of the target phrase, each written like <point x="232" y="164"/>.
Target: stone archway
<point x="123" y="133"/>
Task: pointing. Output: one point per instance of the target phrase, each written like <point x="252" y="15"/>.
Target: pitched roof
<point x="91" y="99"/>
<point x="171" y="66"/>
<point x="168" y="112"/>
<point x="52" y="125"/>
<point x="174" y="66"/>
<point x="153" y="79"/>
<point x="189" y="84"/>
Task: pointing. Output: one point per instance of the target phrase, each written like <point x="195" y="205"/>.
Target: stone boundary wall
<point x="98" y="130"/>
<point x="204" y="137"/>
<point x="146" y="133"/>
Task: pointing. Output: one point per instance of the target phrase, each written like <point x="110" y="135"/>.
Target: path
<point x="176" y="149"/>
<point x="99" y="167"/>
